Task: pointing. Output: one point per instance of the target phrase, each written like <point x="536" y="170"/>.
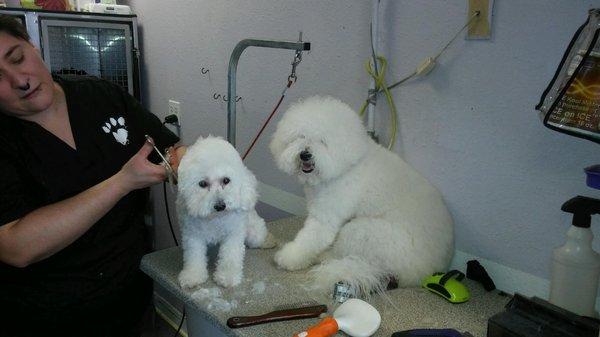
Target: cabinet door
<point x="89" y="48"/>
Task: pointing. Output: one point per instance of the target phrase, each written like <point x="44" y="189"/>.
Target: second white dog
<point x="379" y="216"/>
<point x="215" y="205"/>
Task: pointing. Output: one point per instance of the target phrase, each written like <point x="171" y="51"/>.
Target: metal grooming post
<point x="231" y="75"/>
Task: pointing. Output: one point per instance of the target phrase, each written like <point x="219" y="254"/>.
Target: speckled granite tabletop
<point x="266" y="288"/>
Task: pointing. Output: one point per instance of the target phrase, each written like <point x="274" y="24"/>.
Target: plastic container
<point x="576" y="266"/>
<point x="593" y="176"/>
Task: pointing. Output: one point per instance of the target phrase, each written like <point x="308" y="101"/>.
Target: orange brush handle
<point x="327" y="327"/>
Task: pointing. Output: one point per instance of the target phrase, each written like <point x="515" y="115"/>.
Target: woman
<point x="74" y="173"/>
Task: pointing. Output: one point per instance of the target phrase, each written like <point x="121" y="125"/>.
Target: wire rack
<point x="99" y="52"/>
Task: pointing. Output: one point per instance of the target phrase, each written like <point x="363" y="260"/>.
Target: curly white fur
<point x="379" y="216"/>
<point x="215" y="205"/>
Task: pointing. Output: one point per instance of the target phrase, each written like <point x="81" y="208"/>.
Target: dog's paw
<point x="228" y="278"/>
<point x="190" y="278"/>
<point x="269" y="242"/>
<point x="293" y="257"/>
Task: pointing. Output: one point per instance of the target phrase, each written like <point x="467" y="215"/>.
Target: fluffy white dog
<point x="380" y="217"/>
<point x="215" y="204"/>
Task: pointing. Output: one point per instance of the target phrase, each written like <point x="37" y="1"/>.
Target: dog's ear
<point x="248" y="194"/>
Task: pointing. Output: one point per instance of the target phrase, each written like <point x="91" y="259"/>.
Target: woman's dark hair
<point x="13" y="26"/>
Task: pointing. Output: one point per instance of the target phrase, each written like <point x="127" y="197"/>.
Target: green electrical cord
<point x="379" y="86"/>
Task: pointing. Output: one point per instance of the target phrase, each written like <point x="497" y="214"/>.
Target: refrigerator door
<point x="101" y="49"/>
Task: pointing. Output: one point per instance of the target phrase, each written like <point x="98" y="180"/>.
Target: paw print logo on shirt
<point x="117" y="128"/>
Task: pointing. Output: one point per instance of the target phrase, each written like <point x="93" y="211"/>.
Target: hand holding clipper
<point x="171" y="174"/>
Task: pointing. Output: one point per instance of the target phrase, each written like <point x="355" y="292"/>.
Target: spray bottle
<point x="576" y="266"/>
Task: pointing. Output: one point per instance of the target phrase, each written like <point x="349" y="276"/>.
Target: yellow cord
<point x="381" y="85"/>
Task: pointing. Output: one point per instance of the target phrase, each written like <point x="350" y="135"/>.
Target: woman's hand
<point x="139" y="172"/>
<point x="174" y="155"/>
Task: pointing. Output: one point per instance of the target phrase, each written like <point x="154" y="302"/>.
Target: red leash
<point x="290" y="82"/>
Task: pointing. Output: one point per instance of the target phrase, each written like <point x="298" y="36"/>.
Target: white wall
<point x="470" y="126"/>
<point x="472" y="129"/>
<point x="190" y="35"/>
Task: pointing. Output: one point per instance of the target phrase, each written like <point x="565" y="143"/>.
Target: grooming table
<point x="266" y="288"/>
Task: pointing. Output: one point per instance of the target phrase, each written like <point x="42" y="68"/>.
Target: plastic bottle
<point x="576" y="266"/>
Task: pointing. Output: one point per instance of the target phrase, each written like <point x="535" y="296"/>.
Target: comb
<point x="277" y="316"/>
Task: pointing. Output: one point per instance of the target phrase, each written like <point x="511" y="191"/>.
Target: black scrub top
<point x="37" y="169"/>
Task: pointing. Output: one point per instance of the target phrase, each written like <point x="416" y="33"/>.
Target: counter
<point x="266" y="288"/>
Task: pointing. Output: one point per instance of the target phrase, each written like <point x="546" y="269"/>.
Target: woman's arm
<point x="49" y="229"/>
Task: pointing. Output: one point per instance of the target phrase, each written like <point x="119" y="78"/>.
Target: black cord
<point x="176" y="244"/>
<point x="180" y="323"/>
<point x="169" y="214"/>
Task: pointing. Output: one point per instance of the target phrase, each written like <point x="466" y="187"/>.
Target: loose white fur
<point x="215" y="205"/>
<point x="370" y="215"/>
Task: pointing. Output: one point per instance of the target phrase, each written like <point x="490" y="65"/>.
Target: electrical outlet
<point x="481" y="27"/>
<point x="175" y="109"/>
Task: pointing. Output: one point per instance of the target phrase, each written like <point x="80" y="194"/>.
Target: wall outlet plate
<point x="175" y="109"/>
<point x="481" y="27"/>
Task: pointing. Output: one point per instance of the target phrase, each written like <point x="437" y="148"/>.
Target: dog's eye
<point x="203" y="184"/>
<point x="226" y="181"/>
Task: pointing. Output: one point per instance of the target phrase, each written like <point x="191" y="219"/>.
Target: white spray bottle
<point x="576" y="266"/>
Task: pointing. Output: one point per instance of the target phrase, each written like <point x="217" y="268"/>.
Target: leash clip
<point x="297" y="59"/>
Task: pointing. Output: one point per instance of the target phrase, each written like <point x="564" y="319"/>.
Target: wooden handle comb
<point x="276" y="316"/>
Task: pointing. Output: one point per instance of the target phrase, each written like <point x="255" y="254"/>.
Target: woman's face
<point x="26" y="86"/>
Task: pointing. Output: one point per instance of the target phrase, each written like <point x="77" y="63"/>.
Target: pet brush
<point x="355" y="317"/>
<point x="291" y="312"/>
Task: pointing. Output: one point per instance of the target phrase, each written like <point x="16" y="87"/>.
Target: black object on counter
<point x="535" y="317"/>
<point x="476" y="272"/>
<point x="428" y="333"/>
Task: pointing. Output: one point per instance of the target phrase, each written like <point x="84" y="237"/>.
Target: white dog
<point x="215" y="204"/>
<point x="381" y="217"/>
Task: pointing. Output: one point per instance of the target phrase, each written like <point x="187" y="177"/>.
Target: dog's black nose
<point x="220" y="206"/>
<point x="305" y="155"/>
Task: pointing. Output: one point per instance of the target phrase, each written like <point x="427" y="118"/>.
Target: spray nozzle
<point x="582" y="209"/>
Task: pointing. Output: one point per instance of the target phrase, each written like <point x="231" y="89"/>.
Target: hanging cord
<point x="373" y="48"/>
<point x="291" y="80"/>
<point x="433" y="59"/>
<point x="380" y="85"/>
<point x="169" y="214"/>
<point x="176" y="244"/>
<point x="379" y="77"/>
<point x="180" y="323"/>
<point x="267" y="121"/>
<point x="473" y="17"/>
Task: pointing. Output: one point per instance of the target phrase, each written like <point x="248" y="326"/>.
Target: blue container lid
<point x="593" y="176"/>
